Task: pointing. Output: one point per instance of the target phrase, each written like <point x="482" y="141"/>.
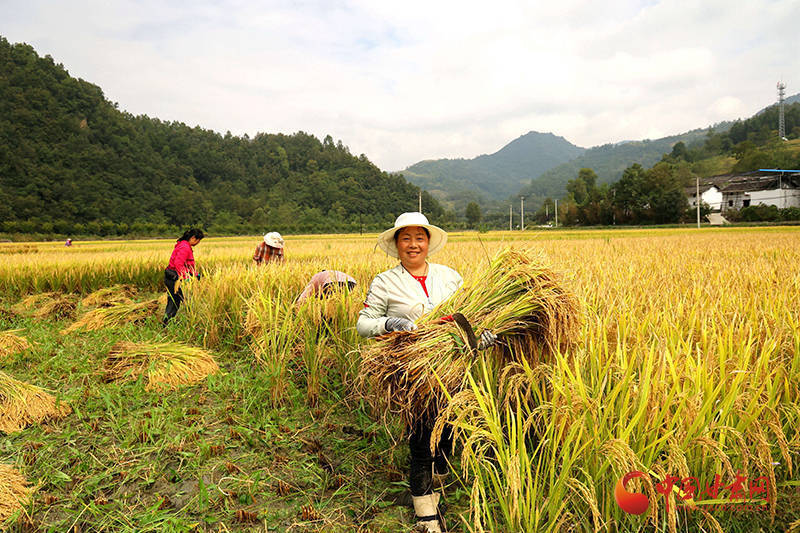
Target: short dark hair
<point x="397" y="233"/>
<point x="189" y="233"/>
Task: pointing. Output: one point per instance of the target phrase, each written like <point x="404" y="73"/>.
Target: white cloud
<point x="404" y="82"/>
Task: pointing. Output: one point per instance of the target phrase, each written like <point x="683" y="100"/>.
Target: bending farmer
<point x="269" y="250"/>
<point x="325" y="282"/>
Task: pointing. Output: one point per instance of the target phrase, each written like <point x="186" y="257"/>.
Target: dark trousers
<point x="174" y="298"/>
<point x="421" y="460"/>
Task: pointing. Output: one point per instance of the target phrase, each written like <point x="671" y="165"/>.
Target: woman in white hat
<point x="269" y="250"/>
<point x="397" y="298"/>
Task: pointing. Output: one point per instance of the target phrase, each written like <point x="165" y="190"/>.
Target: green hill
<point x="608" y="161"/>
<point x="494" y="176"/>
<point x="72" y="163"/>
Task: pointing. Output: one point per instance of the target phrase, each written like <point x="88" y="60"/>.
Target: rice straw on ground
<point x="108" y="296"/>
<point x="166" y="365"/>
<point x="11" y="343"/>
<point x="60" y="306"/>
<point x="14" y="491"/>
<point x="30" y="303"/>
<point x="113" y="316"/>
<point x="22" y="404"/>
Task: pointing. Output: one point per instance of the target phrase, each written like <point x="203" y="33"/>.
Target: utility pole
<point x="522" y="213"/>
<point x="556" y="210"/>
<point x="546" y="211"/>
<point x="697" y="201"/>
<point x="420" y="200"/>
<point x="509" y="216"/>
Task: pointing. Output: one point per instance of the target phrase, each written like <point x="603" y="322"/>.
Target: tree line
<point x="72" y="163"/>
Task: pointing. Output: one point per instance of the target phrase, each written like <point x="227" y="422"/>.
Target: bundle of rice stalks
<point x="166" y="365"/>
<point x="58" y="307"/>
<point x="22" y="404"/>
<point x="30" y="303"/>
<point x="113" y="316"/>
<point x="14" y="491"/>
<point x="11" y="343"/>
<point x="109" y="296"/>
<point x="518" y="298"/>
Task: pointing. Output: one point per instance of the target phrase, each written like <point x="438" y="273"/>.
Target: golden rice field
<point x="685" y="368"/>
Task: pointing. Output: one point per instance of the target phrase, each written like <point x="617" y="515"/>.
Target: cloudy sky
<point x="412" y="80"/>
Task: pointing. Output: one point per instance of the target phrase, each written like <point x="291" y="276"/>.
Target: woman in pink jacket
<point x="181" y="266"/>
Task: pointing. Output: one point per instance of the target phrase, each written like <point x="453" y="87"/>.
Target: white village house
<point x="729" y="192"/>
<point x="710" y="192"/>
<point x="777" y="187"/>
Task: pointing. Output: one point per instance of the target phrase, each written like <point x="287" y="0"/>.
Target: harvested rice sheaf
<point x="166" y="365"/>
<point x="14" y="491"/>
<point x="113" y="316"/>
<point x="518" y="298"/>
<point x="109" y="296"/>
<point x="59" y="307"/>
<point x="22" y="404"/>
<point x="47" y="305"/>
<point x="30" y="303"/>
<point x="11" y="343"/>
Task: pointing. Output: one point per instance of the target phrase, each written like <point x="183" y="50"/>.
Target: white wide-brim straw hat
<point x="274" y="239"/>
<point x="414" y="218"/>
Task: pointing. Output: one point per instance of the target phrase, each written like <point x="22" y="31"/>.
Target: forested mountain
<point x="608" y="161"/>
<point x="494" y="176"/>
<point x="72" y="163"/>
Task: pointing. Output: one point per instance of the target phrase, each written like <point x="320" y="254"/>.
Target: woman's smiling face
<point x="412" y="246"/>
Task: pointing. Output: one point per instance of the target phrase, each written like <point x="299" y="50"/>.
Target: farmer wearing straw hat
<point x="181" y="267"/>
<point x="397" y="298"/>
<point x="269" y="250"/>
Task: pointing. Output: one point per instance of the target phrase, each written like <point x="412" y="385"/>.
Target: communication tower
<point x="781" y="122"/>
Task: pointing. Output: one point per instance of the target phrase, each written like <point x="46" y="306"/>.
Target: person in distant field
<point x="269" y="250"/>
<point x="68" y="243"/>
<point x="322" y="283"/>
<point x="181" y="266"/>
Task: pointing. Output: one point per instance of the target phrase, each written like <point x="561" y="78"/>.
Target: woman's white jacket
<point x="396" y="293"/>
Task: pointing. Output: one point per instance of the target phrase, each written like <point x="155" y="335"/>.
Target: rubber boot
<point x="426" y="509"/>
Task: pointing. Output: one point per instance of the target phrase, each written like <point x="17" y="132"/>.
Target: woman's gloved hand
<point x="396" y="323"/>
<point x="487" y="340"/>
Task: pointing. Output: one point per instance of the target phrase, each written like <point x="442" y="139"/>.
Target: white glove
<point x="487" y="340"/>
<point x="396" y="323"/>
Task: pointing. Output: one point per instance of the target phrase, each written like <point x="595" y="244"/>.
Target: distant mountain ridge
<point x="494" y="176"/>
<point x="608" y="162"/>
<point x="541" y="164"/>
